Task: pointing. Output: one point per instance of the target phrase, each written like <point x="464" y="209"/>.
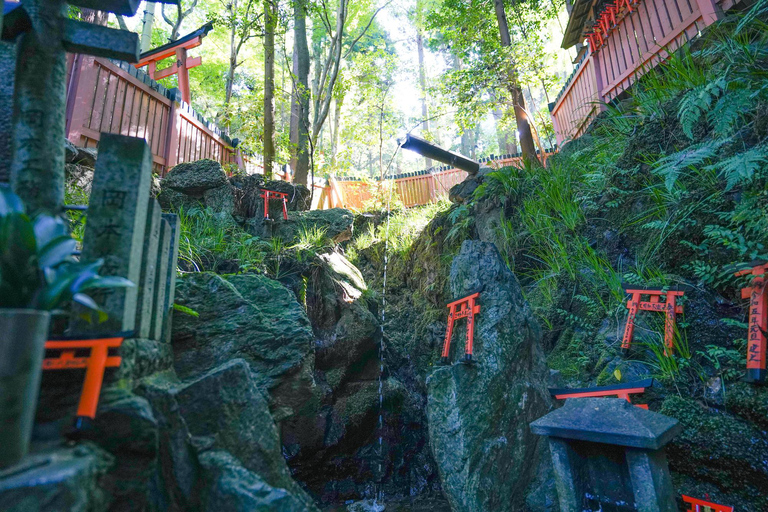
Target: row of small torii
<point x="468" y="307"/>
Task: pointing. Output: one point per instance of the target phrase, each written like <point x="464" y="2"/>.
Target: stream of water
<point x="379" y="499"/>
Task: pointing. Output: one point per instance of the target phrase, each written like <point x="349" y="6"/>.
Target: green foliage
<point x="37" y="270"/>
<point x="185" y="310"/>
<point x="397" y="234"/>
<point x="206" y="241"/>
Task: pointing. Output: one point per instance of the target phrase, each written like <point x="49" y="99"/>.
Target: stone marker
<point x="148" y="279"/>
<point x="609" y="455"/>
<point x="44" y="36"/>
<point x="170" y="283"/>
<point x="117" y="219"/>
<point x="161" y="284"/>
<point x="8" y="72"/>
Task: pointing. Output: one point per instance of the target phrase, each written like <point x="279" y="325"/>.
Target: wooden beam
<point x="192" y="43"/>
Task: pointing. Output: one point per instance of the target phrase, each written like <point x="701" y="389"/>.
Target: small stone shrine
<point x="608" y="456"/>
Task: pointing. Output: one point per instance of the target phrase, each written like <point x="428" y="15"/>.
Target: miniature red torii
<point x="271" y="194"/>
<point x="620" y="391"/>
<point x="670" y="308"/>
<point x="95" y="364"/>
<point x="462" y="308"/>
<point x="698" y="505"/>
<point x="758" y="321"/>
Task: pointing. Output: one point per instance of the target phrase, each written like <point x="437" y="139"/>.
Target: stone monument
<point x="608" y="455"/>
<point x="116" y="227"/>
<point x="42" y="35"/>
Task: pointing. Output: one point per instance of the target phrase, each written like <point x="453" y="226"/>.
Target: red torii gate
<point x="182" y="65"/>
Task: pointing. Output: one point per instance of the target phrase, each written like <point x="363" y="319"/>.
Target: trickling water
<point x="380" y="492"/>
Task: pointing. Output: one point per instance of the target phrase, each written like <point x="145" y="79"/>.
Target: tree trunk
<point x="95" y="17"/>
<point x="523" y="126"/>
<point x="423" y="84"/>
<point x="146" y="27"/>
<point x="230" y="82"/>
<point x="507" y="142"/>
<point x="300" y="101"/>
<point x="336" y="130"/>
<point x="270" y="18"/>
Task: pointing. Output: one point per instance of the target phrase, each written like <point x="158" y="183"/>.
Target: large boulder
<point x="336" y="223"/>
<point x="126" y="428"/>
<point x="194" y="178"/>
<point x="251" y="317"/>
<point x="226" y="405"/>
<point x="57" y="479"/>
<point x="218" y="445"/>
<point x="227" y="485"/>
<point x="478" y="414"/>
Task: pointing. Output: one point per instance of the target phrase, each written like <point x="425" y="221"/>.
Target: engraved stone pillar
<point x="117" y="221"/>
<point x="148" y="279"/>
<point x="37" y="168"/>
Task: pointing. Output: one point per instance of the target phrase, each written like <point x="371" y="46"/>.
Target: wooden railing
<point x="105" y="96"/>
<point x="640" y="39"/>
<point x="413" y="189"/>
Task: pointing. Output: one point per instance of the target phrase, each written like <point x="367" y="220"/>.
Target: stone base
<point x="56" y="478"/>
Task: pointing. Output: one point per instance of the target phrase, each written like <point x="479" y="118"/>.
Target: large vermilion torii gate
<point x="182" y="65"/>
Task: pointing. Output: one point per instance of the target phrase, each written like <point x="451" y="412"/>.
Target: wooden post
<point x="181" y="63"/>
<point x="81" y="97"/>
<point x="172" y="140"/>
<point x="594" y="60"/>
<point x="710" y="11"/>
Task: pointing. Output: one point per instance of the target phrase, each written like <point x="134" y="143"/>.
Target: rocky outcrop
<point x="251" y="317"/>
<point x="337" y="223"/>
<point x="201" y="183"/>
<point x="194" y="178"/>
<point x="219" y="444"/>
<point x="57" y="479"/>
<point x="719" y="454"/>
<point x="479" y="414"/>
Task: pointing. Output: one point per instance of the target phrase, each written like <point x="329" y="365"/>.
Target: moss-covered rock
<point x="246" y="316"/>
<point x="194" y="178"/>
<point x="479" y="414"/>
<point x="716" y="448"/>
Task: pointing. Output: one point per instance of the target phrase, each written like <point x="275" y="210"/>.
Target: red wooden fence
<point x="414" y="189"/>
<point x="103" y="96"/>
<point x="640" y="39"/>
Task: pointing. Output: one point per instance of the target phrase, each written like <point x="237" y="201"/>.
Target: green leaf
<point x="86" y="301"/>
<point x="56" y="252"/>
<point x="185" y="310"/>
<point x="48" y="228"/>
<point x="741" y="168"/>
<point x="9" y="202"/>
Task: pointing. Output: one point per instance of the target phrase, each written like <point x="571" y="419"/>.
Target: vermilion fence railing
<point x="640" y="39"/>
<point x="105" y="96"/>
<point x="414" y="189"/>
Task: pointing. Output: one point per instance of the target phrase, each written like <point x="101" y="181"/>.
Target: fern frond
<point x="693" y="156"/>
<point x="741" y="168"/>
<point x="729" y="109"/>
<point x="696" y="102"/>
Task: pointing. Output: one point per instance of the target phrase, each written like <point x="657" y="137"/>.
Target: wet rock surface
<point x="478" y="414"/>
<point x="56" y="478"/>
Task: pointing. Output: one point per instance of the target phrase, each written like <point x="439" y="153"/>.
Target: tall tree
<point x="423" y="87"/>
<point x="328" y="64"/>
<point x="270" y="22"/>
<point x="300" y="97"/>
<point x="181" y="14"/>
<point x="242" y="19"/>
<point x="513" y="85"/>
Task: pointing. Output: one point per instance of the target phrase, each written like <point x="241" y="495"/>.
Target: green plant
<point x="37" y="269"/>
<point x="187" y="311"/>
